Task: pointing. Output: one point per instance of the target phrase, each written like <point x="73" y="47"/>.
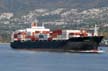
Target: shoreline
<point x="4" y="43"/>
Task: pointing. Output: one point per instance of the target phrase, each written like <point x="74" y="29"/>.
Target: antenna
<point x="43" y="24"/>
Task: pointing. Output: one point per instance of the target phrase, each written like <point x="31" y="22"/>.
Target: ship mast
<point x="95" y="30"/>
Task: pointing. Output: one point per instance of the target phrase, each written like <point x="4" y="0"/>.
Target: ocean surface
<point x="23" y="60"/>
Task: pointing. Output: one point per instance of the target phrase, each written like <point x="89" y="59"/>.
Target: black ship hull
<point x="74" y="43"/>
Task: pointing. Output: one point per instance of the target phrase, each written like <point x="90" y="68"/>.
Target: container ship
<point x="41" y="38"/>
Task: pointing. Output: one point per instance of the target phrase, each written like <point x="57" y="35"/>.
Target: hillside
<point x="60" y="18"/>
<point x="22" y="6"/>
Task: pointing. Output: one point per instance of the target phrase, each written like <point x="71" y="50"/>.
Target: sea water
<point x="23" y="60"/>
